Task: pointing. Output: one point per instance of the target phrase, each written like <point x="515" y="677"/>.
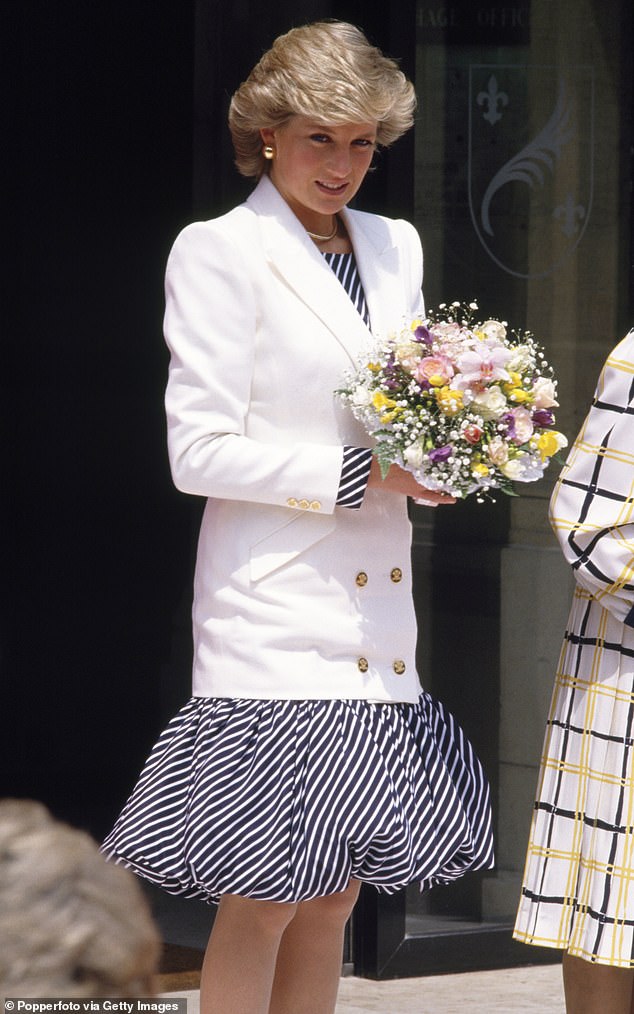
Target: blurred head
<point x="325" y="72"/>
<point x="71" y="924"/>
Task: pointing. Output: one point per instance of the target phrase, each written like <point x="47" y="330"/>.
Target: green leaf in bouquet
<point x="383" y="455"/>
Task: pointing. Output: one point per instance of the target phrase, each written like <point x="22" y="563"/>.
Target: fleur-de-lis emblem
<point x="539" y="154"/>
<point x="492" y="98"/>
<point x="526" y="166"/>
<point x="571" y="214"/>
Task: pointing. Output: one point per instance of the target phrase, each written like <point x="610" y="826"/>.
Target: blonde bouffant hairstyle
<point x="328" y="71"/>
<point x="71" y="924"/>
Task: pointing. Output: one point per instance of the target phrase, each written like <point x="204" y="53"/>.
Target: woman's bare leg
<point x="309" y="958"/>
<point x="597" y="989"/>
<point x="239" y="966"/>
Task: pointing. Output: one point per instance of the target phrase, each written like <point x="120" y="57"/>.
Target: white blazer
<point x="294" y="598"/>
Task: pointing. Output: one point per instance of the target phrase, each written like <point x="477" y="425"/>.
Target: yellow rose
<point x="381" y="401"/>
<point x="549" y="443"/>
<point x="518" y="395"/>
<point x="449" y="401"/>
<point x="386" y="406"/>
<point x="479" y="469"/>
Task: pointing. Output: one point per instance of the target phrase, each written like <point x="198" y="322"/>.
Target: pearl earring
<point x="268" y="152"/>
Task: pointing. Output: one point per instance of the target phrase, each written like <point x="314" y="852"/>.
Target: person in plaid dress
<point x="578" y="890"/>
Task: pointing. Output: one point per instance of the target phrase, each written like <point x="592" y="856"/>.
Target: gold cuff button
<point x="396" y="574"/>
<point x="399" y="666"/>
<point x="361" y="579"/>
<point x="291" y="502"/>
<point x="363" y="665"/>
<point x="315" y="505"/>
<point x="303" y="504"/>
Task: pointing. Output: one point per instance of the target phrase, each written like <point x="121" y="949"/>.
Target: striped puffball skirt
<point x="287" y="800"/>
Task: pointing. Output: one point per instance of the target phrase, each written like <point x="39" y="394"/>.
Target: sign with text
<point x="495" y="24"/>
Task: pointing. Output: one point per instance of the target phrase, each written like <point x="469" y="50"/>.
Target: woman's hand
<point x="398" y="480"/>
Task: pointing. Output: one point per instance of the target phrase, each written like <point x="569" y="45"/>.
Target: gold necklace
<point x="324" y="239"/>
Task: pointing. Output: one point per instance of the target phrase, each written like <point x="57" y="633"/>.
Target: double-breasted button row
<point x="303" y="504"/>
<point x="396" y="575"/>
<point x="398" y="665"/>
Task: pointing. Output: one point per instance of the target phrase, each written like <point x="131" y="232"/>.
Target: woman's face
<point x="317" y="168"/>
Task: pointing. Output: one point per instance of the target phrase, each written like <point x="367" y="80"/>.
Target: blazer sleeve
<point x="210" y="330"/>
<point x="592" y="508"/>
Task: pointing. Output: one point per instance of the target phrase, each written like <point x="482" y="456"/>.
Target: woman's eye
<point x="364" y="142"/>
<point x="322" y="138"/>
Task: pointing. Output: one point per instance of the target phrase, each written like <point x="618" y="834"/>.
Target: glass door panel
<point x="523" y="202"/>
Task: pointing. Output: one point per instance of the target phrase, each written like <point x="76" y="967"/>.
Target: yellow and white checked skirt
<point x="578" y="890"/>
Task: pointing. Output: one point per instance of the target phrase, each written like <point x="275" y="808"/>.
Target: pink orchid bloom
<point x="483" y="365"/>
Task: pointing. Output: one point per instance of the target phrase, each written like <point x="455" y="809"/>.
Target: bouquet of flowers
<point x="466" y="406"/>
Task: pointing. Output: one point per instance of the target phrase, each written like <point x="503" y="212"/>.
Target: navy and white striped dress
<point x="287" y="800"/>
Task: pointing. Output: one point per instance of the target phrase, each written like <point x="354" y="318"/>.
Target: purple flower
<point x="508" y="420"/>
<point x="424" y="335"/>
<point x="543" y="417"/>
<point x="441" y="453"/>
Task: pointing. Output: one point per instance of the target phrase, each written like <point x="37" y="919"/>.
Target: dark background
<point x="116" y="138"/>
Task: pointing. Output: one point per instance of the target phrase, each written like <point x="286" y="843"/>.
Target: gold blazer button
<point x="399" y="666"/>
<point x="291" y="502"/>
<point x="303" y="504"/>
<point x="361" y="579"/>
<point x="315" y="505"/>
<point x="363" y="665"/>
<point x="396" y="574"/>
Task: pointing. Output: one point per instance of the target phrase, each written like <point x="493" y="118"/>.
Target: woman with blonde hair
<point x="308" y="759"/>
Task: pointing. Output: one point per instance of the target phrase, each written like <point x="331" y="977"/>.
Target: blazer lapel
<point x="293" y="255"/>
<point x="378" y="263"/>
